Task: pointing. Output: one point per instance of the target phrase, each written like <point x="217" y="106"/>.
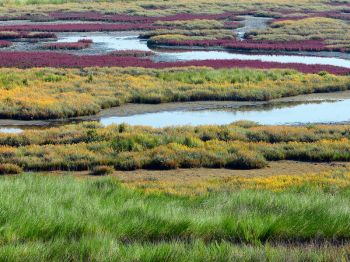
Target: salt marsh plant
<point x="63" y="93"/>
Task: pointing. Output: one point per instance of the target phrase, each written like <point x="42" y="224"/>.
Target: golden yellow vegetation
<point x="161" y="8"/>
<point x="61" y="93"/>
<point x="330" y="180"/>
<point x="332" y="31"/>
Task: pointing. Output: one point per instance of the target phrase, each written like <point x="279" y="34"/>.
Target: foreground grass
<point x="61" y="93"/>
<point x="62" y="218"/>
<point x="106" y="249"/>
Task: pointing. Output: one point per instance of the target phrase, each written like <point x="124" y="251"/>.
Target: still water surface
<point x="325" y="112"/>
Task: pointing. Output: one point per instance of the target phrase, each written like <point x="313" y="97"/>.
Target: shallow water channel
<point x="320" y="112"/>
<point x="291" y="113"/>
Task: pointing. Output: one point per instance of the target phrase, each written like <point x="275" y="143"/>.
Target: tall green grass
<point x="96" y="219"/>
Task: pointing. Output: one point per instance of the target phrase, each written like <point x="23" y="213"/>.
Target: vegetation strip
<point x="50" y="93"/>
<point x="241" y="145"/>
<point x="45" y="59"/>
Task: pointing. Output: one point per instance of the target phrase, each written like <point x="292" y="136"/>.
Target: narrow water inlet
<point x="281" y="114"/>
<point x="310" y="113"/>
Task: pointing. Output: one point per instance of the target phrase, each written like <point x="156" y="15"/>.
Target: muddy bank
<point x="179" y="176"/>
<point x="293" y="168"/>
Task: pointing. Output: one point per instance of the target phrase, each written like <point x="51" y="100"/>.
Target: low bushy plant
<point x="10" y="169"/>
<point x="102" y="170"/>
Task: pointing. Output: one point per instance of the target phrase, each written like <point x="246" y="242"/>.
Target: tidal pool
<point x="10" y="130"/>
<point x="107" y="41"/>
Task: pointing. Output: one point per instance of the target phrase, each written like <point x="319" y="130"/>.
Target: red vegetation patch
<point x="306" y="45"/>
<point x="77" y="27"/>
<point x="48" y="59"/>
<point x="85" y="41"/>
<point x="5" y="43"/>
<point x="81" y="44"/>
<point x="132" y="53"/>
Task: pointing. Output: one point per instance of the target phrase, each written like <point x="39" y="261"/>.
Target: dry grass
<point x="61" y="93"/>
<point x="161" y="8"/>
<point x="278" y="175"/>
<point x="331" y="31"/>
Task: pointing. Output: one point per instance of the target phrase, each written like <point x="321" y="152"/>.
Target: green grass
<point x="63" y="218"/>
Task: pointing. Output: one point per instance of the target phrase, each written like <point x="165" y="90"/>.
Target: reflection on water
<point x="10" y="130"/>
<point x="205" y="55"/>
<point x="327" y="112"/>
<point x="108" y="41"/>
<point x="268" y="114"/>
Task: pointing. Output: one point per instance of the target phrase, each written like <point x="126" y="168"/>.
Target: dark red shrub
<point x="5" y="43"/>
<point x="85" y="41"/>
<point x="132" y="53"/>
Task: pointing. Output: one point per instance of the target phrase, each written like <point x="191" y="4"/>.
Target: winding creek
<point x="285" y="112"/>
